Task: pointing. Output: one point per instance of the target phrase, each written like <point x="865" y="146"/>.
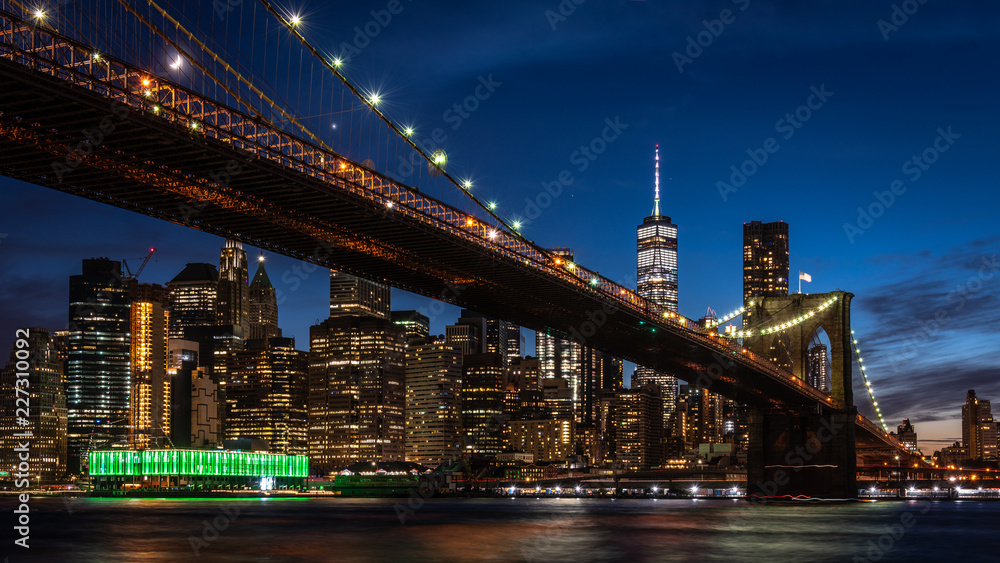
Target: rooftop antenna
<point x="656" y="200"/>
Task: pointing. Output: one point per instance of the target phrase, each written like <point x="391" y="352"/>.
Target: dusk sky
<point x="869" y="98"/>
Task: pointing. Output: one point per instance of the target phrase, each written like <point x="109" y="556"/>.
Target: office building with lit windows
<point x="98" y="379"/>
<point x="357" y="392"/>
<point x="546" y="440"/>
<point x="149" y="404"/>
<point x="263" y="303"/>
<point x="818" y="374"/>
<point x="351" y="295"/>
<point x="765" y="260"/>
<point x="638" y="423"/>
<point x="233" y="306"/>
<point x="267" y="391"/>
<point x="193" y="298"/>
<point x="34" y="358"/>
<point x="414" y="324"/>
<point x="433" y="412"/>
<point x="482" y="404"/>
<point x="979" y="430"/>
<point x="907" y="435"/>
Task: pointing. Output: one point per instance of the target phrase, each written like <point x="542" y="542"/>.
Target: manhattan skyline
<point x="610" y="70"/>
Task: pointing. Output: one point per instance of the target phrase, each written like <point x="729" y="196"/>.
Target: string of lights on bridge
<point x="749" y="333"/>
<point x="868" y="383"/>
<point x="373" y="100"/>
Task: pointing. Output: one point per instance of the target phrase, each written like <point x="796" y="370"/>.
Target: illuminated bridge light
<point x="493" y="234"/>
<point x="467" y="185"/>
<point x="375" y="99"/>
<point x="39" y="14"/>
<point x="408" y="131"/>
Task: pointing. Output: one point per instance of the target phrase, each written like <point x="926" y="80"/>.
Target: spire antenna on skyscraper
<point x="656" y="197"/>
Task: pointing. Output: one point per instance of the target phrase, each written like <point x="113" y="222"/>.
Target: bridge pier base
<point x="802" y="453"/>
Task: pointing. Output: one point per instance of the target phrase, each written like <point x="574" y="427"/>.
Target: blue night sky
<point x="924" y="271"/>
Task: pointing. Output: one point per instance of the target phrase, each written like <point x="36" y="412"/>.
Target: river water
<point x="522" y="529"/>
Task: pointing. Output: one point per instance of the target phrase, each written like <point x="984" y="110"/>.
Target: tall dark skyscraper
<point x="263" y="305"/>
<point x="979" y="430"/>
<point x="765" y="259"/>
<point x="414" y="324"/>
<point x="234" y="292"/>
<point x="656" y="280"/>
<point x="493" y="334"/>
<point x="513" y="343"/>
<point x="46" y="406"/>
<point x="99" y="379"/>
<point x="351" y="295"/>
<point x="193" y="298"/>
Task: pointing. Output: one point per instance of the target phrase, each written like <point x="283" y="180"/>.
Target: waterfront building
<point x="482" y="404"/>
<point x="979" y="430"/>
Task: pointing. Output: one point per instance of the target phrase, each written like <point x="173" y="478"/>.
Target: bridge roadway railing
<point x="879" y="432"/>
<point x="46" y="51"/>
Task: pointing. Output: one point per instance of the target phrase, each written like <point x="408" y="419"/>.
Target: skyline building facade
<point x="34" y="357"/>
<point x="149" y="402"/>
<point x="979" y="430"/>
<point x="357" y="392"/>
<point x="657" y="280"/>
<point x="482" y="399"/>
<point x="98" y="379"/>
<point x="433" y="412"/>
<point x="414" y="324"/>
<point x="351" y="295"/>
<point x="267" y="394"/>
<point x="907" y="435"/>
<point x="818" y="374"/>
<point x="193" y="298"/>
<point x="263" y="305"/>
<point x="765" y="260"/>
<point x="233" y="306"/>
<point x="638" y="422"/>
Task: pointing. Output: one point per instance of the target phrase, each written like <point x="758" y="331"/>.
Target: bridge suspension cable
<point x="191" y="37"/>
<point x="868" y="384"/>
<point x="404" y="133"/>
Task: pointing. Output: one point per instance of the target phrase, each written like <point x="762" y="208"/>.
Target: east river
<point x="522" y="529"/>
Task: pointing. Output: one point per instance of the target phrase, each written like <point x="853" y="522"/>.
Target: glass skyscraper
<point x="656" y="280"/>
<point x="98" y="377"/>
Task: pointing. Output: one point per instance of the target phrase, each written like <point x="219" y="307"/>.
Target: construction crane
<point x="135" y="276"/>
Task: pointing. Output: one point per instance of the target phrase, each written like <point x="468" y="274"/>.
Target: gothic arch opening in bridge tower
<point x="818" y="370"/>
